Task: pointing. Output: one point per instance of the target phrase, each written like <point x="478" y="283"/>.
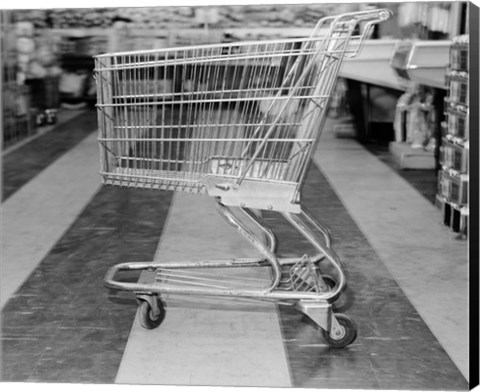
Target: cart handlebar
<point x="373" y="16"/>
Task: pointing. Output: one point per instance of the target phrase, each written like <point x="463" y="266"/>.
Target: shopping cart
<point x="239" y="122"/>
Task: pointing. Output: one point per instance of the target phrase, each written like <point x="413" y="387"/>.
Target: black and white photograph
<point x="277" y="194"/>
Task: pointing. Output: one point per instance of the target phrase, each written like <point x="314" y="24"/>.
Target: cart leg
<point x="264" y="227"/>
<point x="264" y="248"/>
<point x="273" y="239"/>
<point x="270" y="237"/>
<point x="309" y="227"/>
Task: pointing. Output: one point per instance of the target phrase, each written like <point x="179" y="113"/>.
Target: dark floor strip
<point x="63" y="325"/>
<point x="24" y="163"/>
<point x="394" y="349"/>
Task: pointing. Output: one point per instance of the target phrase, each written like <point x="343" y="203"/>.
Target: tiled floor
<point x="423" y="180"/>
<point x="390" y="329"/>
<point x="427" y="260"/>
<point x="60" y="324"/>
<point x="30" y="159"/>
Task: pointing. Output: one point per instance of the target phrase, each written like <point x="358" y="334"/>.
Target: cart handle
<point x="373" y="16"/>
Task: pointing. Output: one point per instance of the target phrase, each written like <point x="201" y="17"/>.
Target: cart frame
<point x="255" y="161"/>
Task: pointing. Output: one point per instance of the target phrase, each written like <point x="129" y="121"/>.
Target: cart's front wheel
<point x="342" y="336"/>
<point x="151" y="318"/>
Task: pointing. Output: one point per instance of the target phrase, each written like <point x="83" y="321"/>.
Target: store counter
<point x="372" y="65"/>
<point x="373" y="89"/>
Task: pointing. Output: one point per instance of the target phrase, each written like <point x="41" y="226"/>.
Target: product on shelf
<point x="16" y="111"/>
<point x="181" y="17"/>
<point x="414" y="121"/>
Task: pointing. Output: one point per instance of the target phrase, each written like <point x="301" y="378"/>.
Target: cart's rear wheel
<point x="342" y="337"/>
<point x="150" y="318"/>
<point x="344" y="300"/>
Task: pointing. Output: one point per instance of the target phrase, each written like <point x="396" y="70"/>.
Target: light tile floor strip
<point x="41" y="211"/>
<point x="428" y="263"/>
<point x="206" y="342"/>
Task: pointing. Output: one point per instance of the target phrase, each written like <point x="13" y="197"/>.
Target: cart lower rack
<point x="238" y="122"/>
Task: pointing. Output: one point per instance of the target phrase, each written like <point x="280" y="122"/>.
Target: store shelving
<point x="16" y="115"/>
<point x="422" y="62"/>
<point x="453" y="179"/>
<point x="376" y="54"/>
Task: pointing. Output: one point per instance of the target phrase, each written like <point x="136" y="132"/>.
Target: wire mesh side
<point x="243" y="110"/>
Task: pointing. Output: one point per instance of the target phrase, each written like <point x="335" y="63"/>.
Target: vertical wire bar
<point x="182" y="142"/>
<point x="100" y="113"/>
<point x="203" y="69"/>
<point x="136" y="115"/>
<point x="153" y="114"/>
<point x="143" y="118"/>
<point x="162" y="82"/>
<point x="187" y="167"/>
<point x="236" y="115"/>
<point x="122" y="77"/>
<point x="218" y="92"/>
<point x="177" y="143"/>
<point x="204" y="107"/>
<point x="273" y="77"/>
<point x="191" y="130"/>
<point x="198" y="70"/>
<point x="169" y="72"/>
<point x="196" y="78"/>
<point x="244" y="75"/>
<point x="128" y="144"/>
<point x="301" y="60"/>
<point x="269" y="150"/>
<point x="233" y="115"/>
<point x="109" y="118"/>
<point x="258" y="64"/>
<point x="294" y="58"/>
<point x="252" y="108"/>
<point x="214" y="107"/>
<point x="246" y="116"/>
<point x="212" y="146"/>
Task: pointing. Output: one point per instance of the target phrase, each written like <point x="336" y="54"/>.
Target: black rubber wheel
<point x="329" y="281"/>
<point x="348" y="335"/>
<point x="344" y="300"/>
<point x="148" y="319"/>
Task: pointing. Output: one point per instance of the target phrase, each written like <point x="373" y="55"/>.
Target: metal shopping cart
<point x="239" y="122"/>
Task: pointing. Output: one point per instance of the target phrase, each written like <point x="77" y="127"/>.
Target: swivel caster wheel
<point x="151" y="312"/>
<point x="343" y="335"/>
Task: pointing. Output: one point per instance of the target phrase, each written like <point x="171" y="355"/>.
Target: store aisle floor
<point x="426" y="259"/>
<point x="207" y="341"/>
<point x="200" y="344"/>
<point x="54" y="200"/>
<point x="62" y="325"/>
<point x="22" y="162"/>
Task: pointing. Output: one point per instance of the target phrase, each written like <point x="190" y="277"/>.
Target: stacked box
<point x="454" y="154"/>
<point x="453" y="187"/>
<point x="457" y="122"/>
